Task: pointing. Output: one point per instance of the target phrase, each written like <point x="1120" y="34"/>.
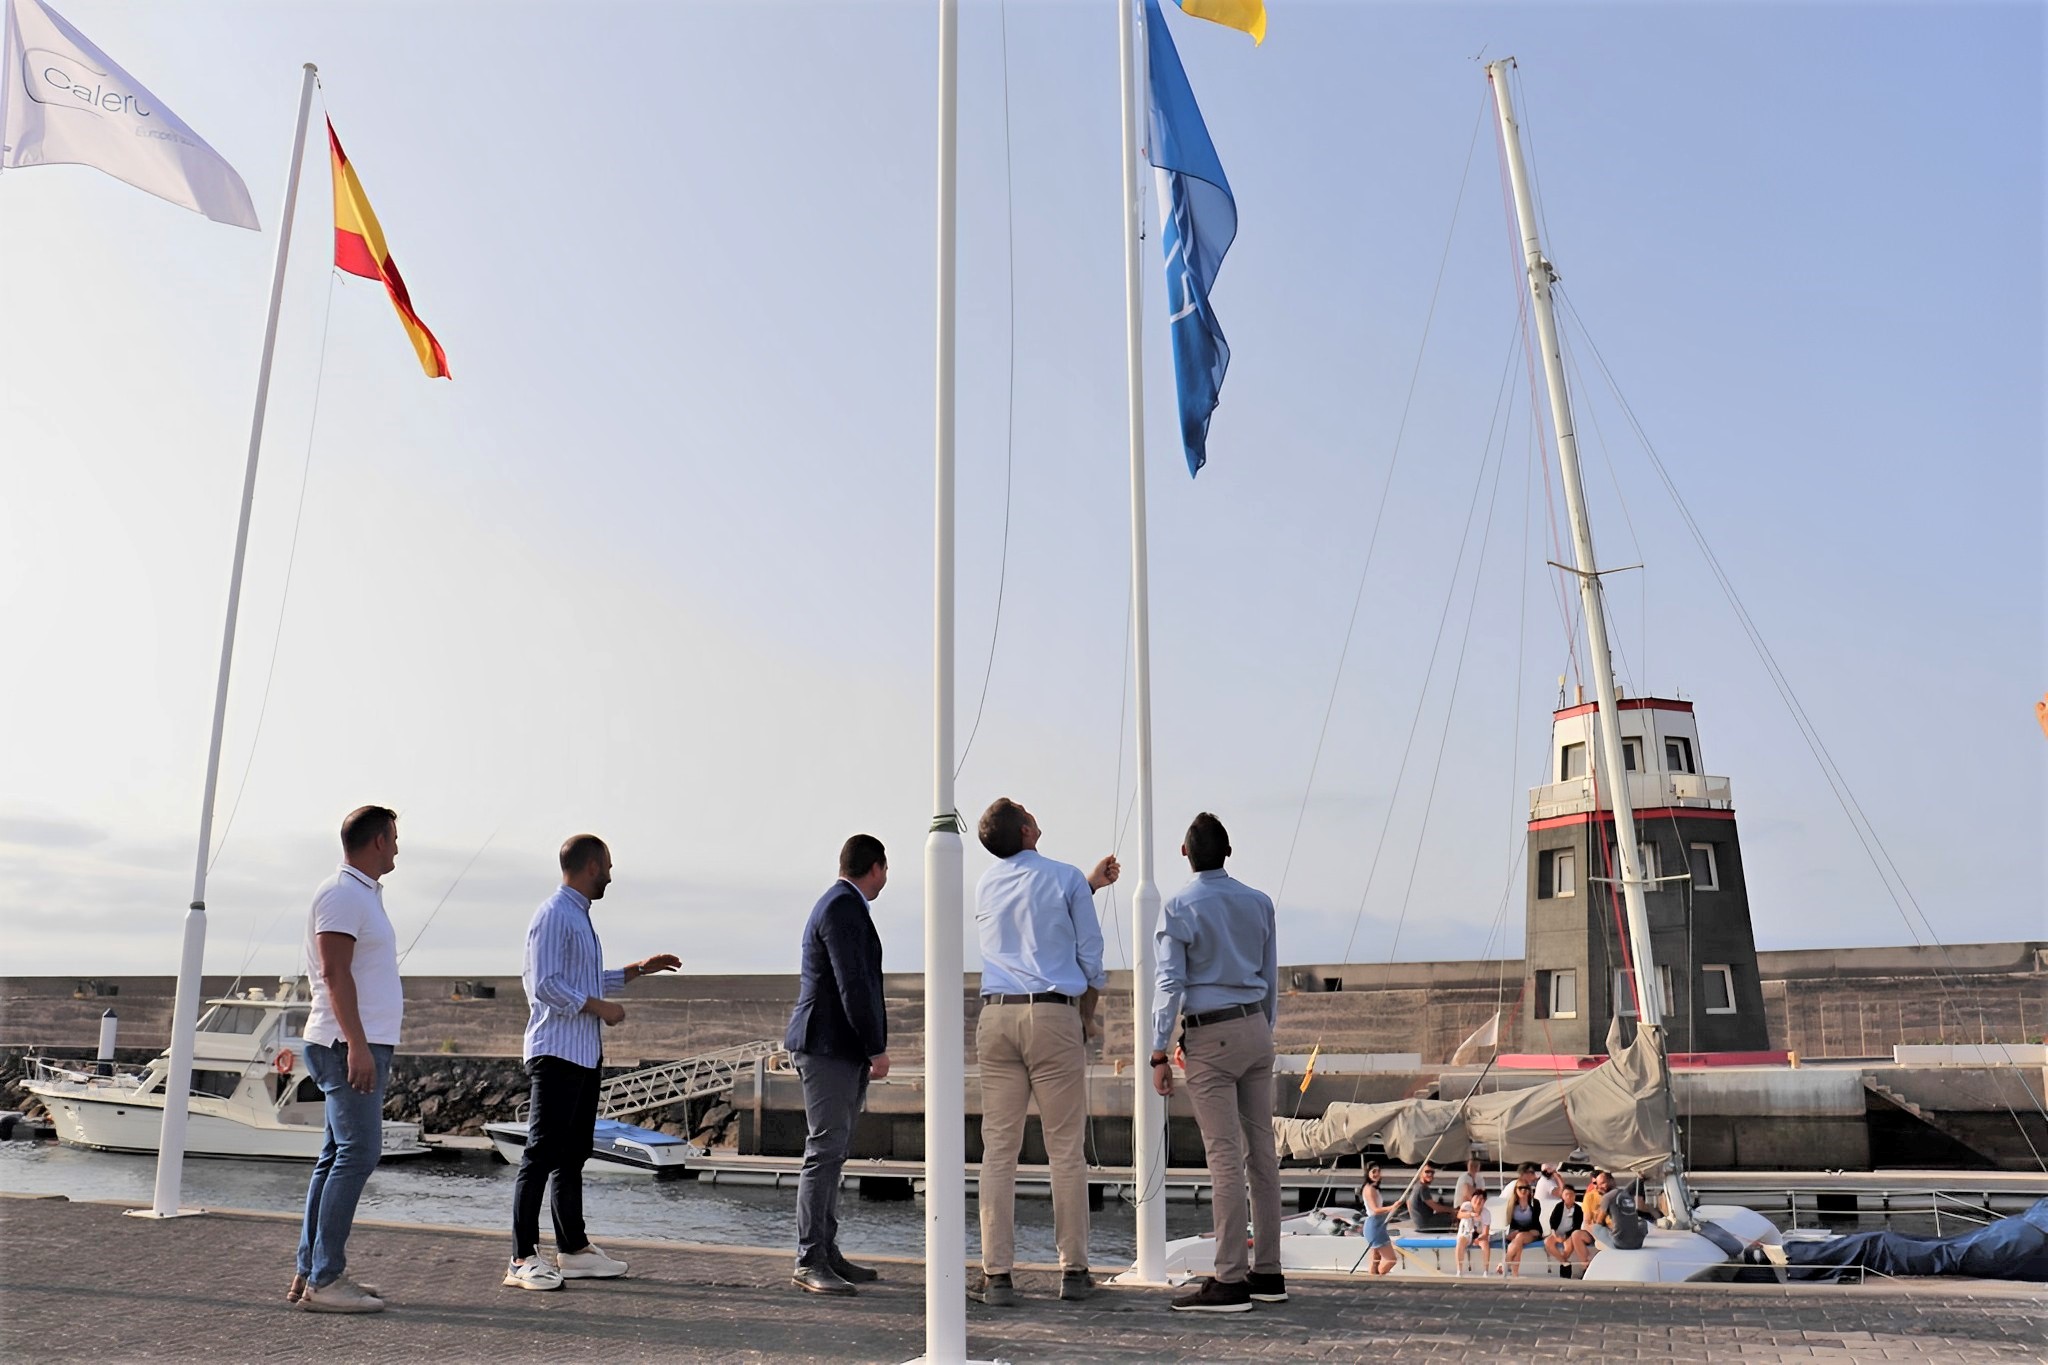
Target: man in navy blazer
<point x="839" y="1037"/>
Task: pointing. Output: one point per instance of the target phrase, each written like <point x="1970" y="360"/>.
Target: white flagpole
<point x="945" y="1087"/>
<point x="1148" y="1109"/>
<point x="170" y="1161"/>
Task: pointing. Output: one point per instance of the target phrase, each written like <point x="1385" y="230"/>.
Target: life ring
<point x="284" y="1062"/>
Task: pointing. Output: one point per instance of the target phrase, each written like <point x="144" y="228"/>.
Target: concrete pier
<point x="80" y="1282"/>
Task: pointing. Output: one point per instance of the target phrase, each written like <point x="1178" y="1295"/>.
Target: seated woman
<point x="1524" y="1225"/>
<point x="1568" y="1241"/>
<point x="1379" y="1243"/>
<point x="1475" y="1224"/>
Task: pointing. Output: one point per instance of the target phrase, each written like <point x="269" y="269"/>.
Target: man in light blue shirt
<point x="1041" y="973"/>
<point x="1219" y="973"/>
<point x="566" y="983"/>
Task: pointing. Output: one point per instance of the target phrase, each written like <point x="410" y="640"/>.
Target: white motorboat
<point x="616" y="1149"/>
<point x="251" y="1094"/>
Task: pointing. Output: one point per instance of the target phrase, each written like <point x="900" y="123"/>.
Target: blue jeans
<point x="355" y="1142"/>
<point x="834" y="1089"/>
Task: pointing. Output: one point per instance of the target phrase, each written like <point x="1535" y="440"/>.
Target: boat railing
<point x="83" y="1071"/>
<point x="657" y="1087"/>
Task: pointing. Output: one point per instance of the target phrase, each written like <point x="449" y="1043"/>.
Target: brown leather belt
<point x="1222" y="1016"/>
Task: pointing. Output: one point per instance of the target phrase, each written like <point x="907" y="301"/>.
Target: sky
<point x="657" y="562"/>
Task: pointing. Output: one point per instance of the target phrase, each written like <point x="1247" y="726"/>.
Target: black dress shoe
<point x="851" y="1273"/>
<point x="820" y="1279"/>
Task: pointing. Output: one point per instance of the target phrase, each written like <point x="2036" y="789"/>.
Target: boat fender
<point x="284" y="1061"/>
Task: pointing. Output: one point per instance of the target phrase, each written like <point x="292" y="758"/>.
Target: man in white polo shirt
<point x="351" y="1032"/>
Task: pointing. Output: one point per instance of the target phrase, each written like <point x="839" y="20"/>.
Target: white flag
<point x="1484" y="1037"/>
<point x="67" y="102"/>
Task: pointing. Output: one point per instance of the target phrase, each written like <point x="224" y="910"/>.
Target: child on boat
<point x="1474" y="1224"/>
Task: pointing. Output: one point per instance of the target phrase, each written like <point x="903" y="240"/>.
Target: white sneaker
<point x="342" y="1296"/>
<point x="589" y="1264"/>
<point x="533" y="1273"/>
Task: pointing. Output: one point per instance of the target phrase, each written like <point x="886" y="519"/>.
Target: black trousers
<point x="561" y="1120"/>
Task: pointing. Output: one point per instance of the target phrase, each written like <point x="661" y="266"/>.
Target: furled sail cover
<point x="1616" y="1114"/>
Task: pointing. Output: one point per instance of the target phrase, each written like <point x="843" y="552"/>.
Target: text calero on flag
<point x="68" y="103"/>
<point x="1201" y="221"/>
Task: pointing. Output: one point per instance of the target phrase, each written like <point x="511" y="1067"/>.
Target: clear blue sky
<point x="657" y="562"/>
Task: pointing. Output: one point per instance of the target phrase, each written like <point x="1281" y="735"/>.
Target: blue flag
<point x="1201" y="221"/>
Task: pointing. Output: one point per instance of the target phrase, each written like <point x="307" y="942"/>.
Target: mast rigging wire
<point x="1379" y="514"/>
<point x="1010" y="408"/>
<point x="1880" y="858"/>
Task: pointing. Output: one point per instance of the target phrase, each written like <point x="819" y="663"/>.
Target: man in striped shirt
<point x="566" y="983"/>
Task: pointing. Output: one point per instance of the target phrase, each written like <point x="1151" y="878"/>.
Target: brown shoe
<point x="298" y="1289"/>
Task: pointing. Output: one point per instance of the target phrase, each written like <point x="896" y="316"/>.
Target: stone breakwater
<point x="444" y="1095"/>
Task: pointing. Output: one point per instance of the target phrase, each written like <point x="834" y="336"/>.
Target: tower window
<point x="1557" y="995"/>
<point x="1717" y="989"/>
<point x="1632" y="755"/>
<point x="1646" y="857"/>
<point x="1678" y="755"/>
<point x="1572" y="763"/>
<point x="1557" y="873"/>
<point x="1706" y="869"/>
<point x="1625" y="995"/>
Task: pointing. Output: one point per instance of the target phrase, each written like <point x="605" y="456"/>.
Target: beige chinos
<point x="1029" y="1052"/>
<point x="1230" y="1084"/>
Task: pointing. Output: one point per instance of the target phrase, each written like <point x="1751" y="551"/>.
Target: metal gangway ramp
<point x="656" y="1087"/>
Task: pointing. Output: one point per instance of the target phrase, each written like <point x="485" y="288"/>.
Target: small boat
<point x="617" y="1148"/>
<point x="251" y="1097"/>
<point x="622" y="1148"/>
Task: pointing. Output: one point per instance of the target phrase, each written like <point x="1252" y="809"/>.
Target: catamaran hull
<point x="132" y="1125"/>
<point x="1669" y="1256"/>
<point x="1326" y="1242"/>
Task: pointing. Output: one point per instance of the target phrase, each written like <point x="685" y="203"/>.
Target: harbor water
<point x="475" y="1191"/>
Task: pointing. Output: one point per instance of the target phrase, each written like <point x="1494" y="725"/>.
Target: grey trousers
<point x="834" y="1090"/>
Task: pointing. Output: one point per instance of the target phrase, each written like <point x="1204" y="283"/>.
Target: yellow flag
<point x="1308" y="1073"/>
<point x="1249" y="16"/>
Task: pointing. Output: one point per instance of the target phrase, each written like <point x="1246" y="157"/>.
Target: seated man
<point x="1427" y="1212"/>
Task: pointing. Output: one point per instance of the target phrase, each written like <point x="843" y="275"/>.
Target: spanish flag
<point x="359" y="249"/>
<point x="1248" y="16"/>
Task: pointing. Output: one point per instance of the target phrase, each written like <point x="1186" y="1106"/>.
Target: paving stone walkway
<point x="80" y="1282"/>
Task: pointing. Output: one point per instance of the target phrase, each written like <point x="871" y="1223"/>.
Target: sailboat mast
<point x="1613" y="777"/>
<point x="1148" y="1110"/>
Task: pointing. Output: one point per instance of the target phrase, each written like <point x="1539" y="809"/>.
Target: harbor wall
<point x="458" y="1057"/>
<point x="1853" y="1002"/>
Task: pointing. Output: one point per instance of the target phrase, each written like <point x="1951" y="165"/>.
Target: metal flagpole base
<point x="1132" y="1279"/>
<point x="152" y="1213"/>
<point x="920" y="1360"/>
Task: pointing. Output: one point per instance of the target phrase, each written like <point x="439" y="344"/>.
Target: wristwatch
<point x="1160" y="1059"/>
